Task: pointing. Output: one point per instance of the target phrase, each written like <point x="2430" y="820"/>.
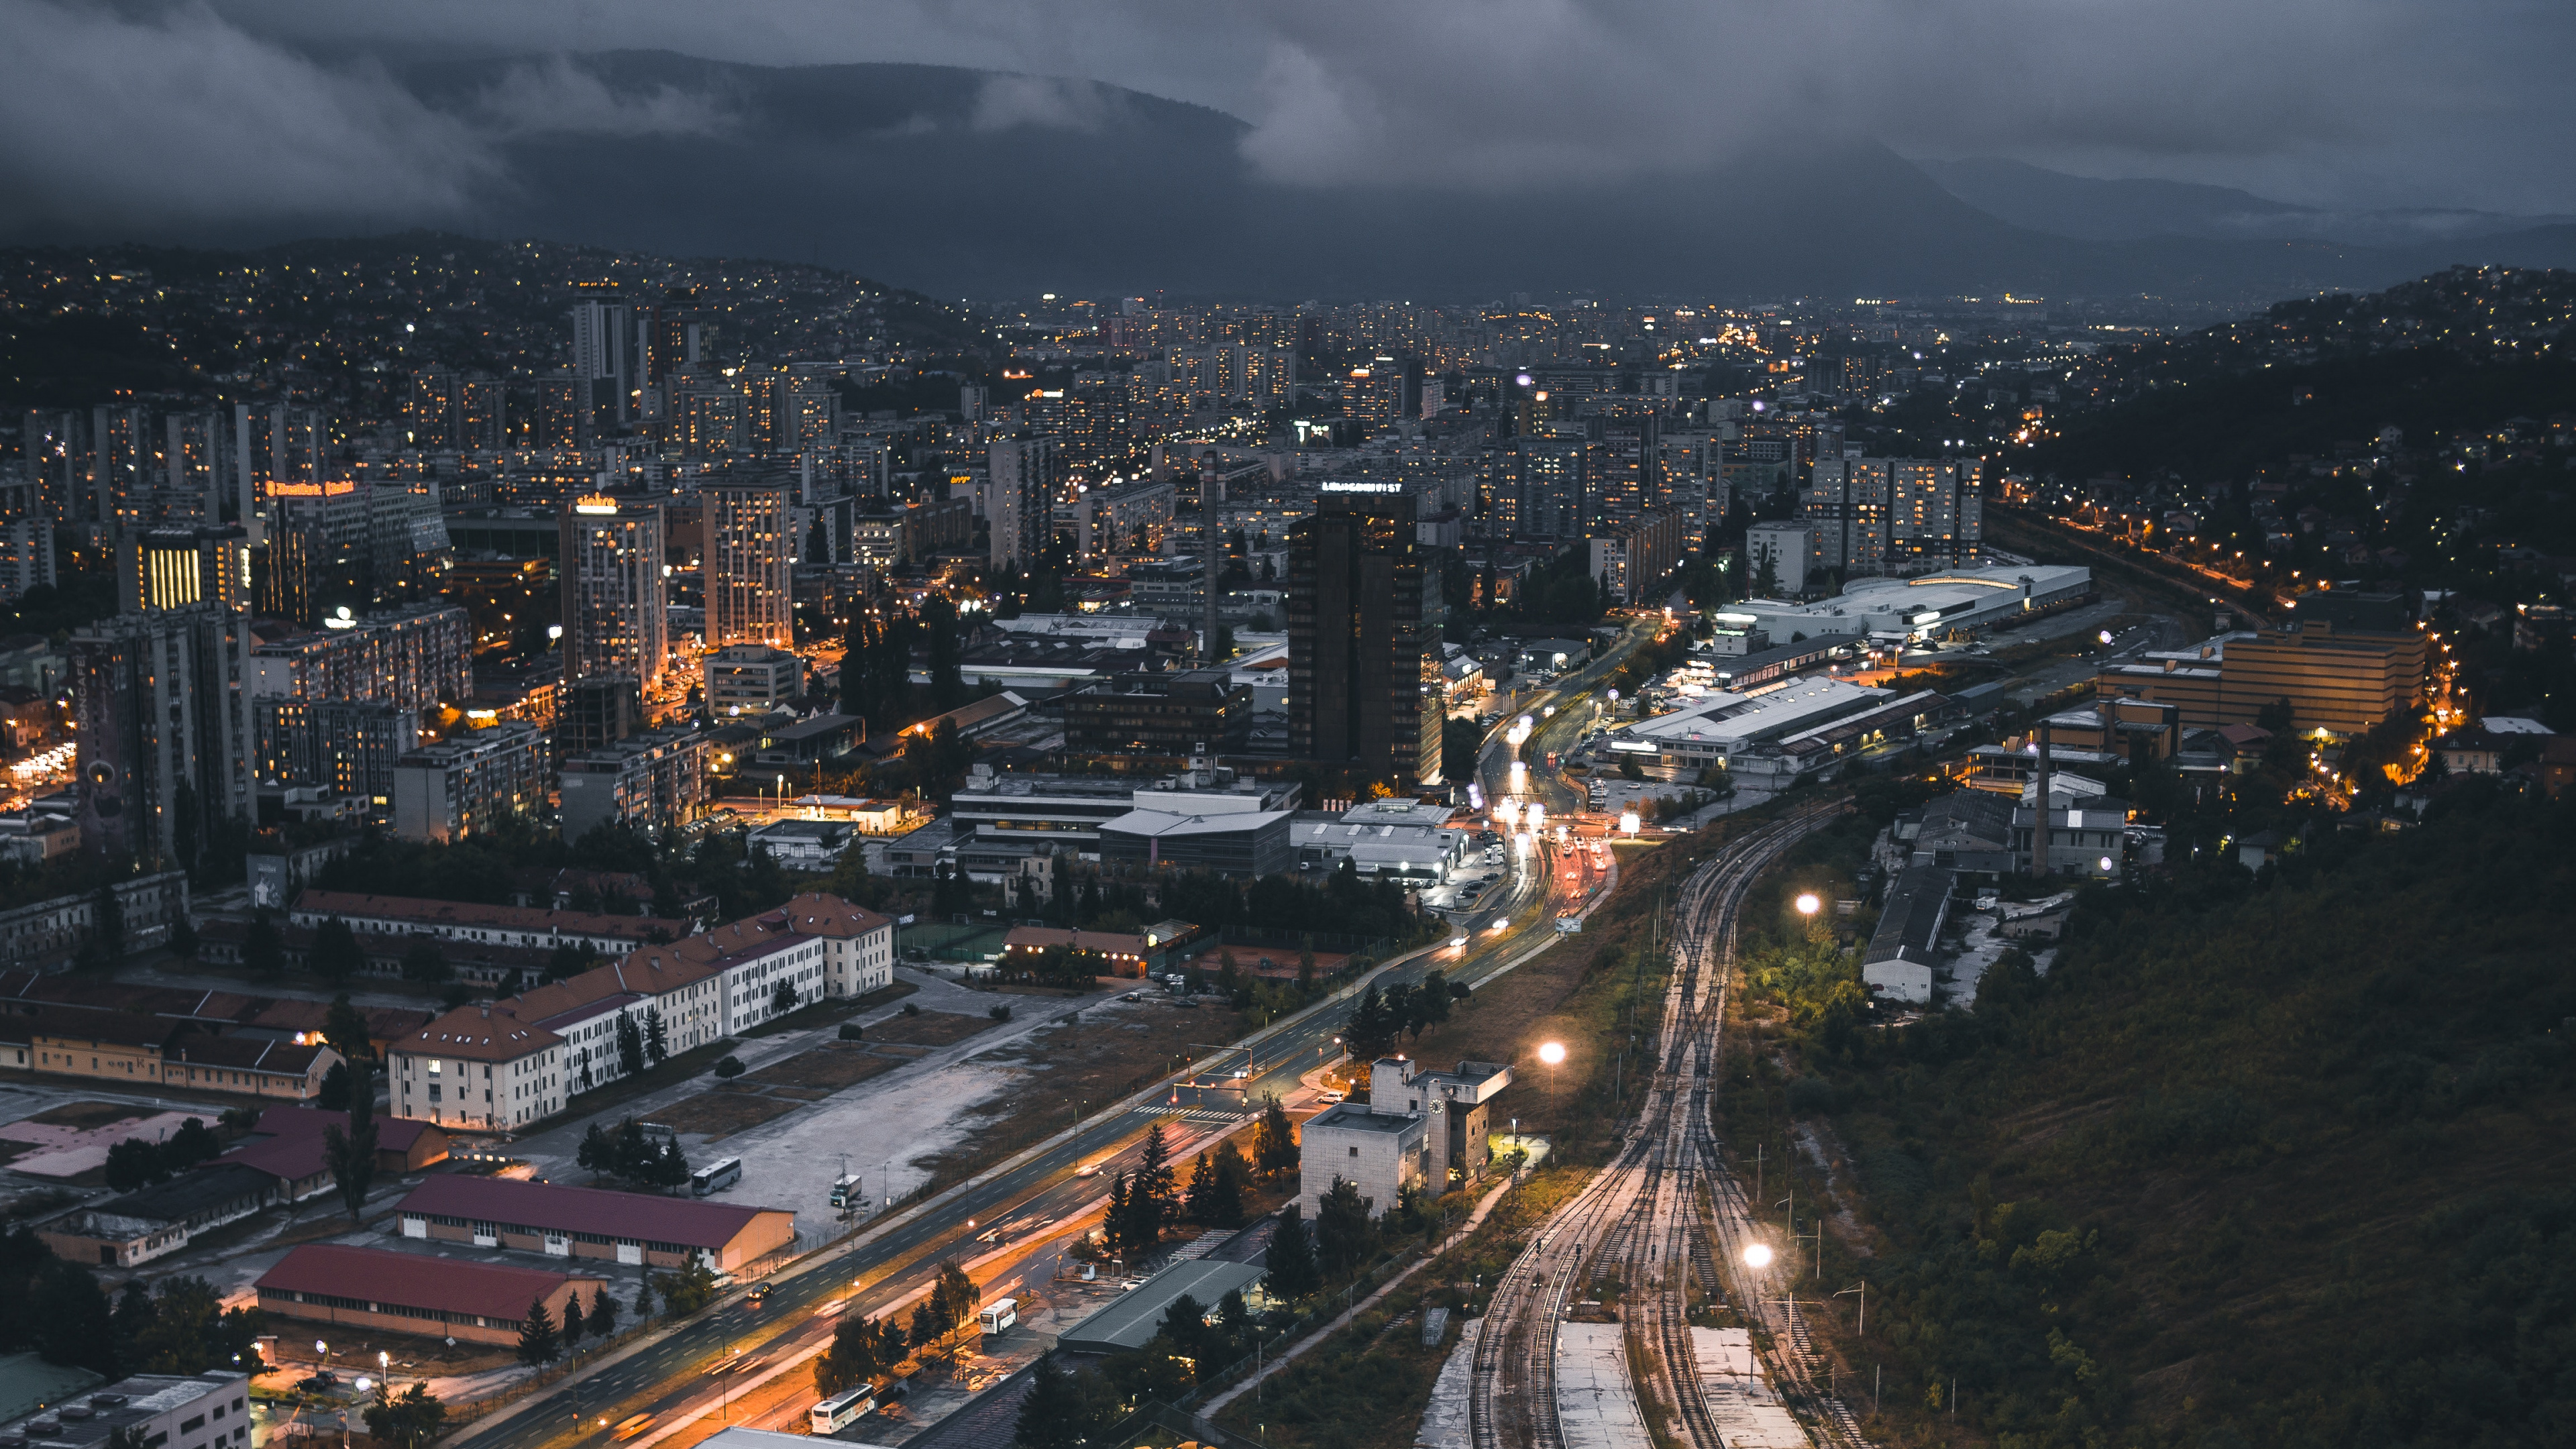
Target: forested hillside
<point x="2261" y="1161"/>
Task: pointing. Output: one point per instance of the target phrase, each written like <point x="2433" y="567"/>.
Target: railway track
<point x="1638" y="1220"/>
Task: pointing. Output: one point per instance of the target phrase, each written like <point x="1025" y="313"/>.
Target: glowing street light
<point x="1808" y="904"/>
<point x="1758" y="1255"/>
<point x="1552" y="1053"/>
<point x="1628" y="823"/>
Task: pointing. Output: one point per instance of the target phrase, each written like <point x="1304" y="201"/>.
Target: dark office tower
<point x="197" y="461"/>
<point x="675" y="336"/>
<point x="604" y="358"/>
<point x="287" y="565"/>
<point x="122" y="454"/>
<point x="598" y="712"/>
<point x="1364" y="620"/>
<point x="1625" y="475"/>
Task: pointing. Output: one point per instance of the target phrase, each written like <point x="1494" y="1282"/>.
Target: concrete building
<point x="161" y="707"/>
<point x="635" y="1229"/>
<point x="1930" y="606"/>
<point x="1905" y="947"/>
<point x="50" y="930"/>
<point x="749" y="548"/>
<point x="654" y="782"/>
<point x="161" y="1411"/>
<point x="2337" y="680"/>
<point x="1419" y="1129"/>
<point x="376" y="1290"/>
<point x="615" y="601"/>
<point x="143" y="1050"/>
<point x="1016" y="496"/>
<point x="1364" y="622"/>
<point x="137" y="1227"/>
<point x="1068" y="811"/>
<point x="1631" y="559"/>
<point x="752" y="678"/>
<point x="1785" y="545"/>
<point x="1721" y="726"/>
<point x="347" y="746"/>
<point x="484" y="925"/>
<point x="415" y="658"/>
<point x="808" y="845"/>
<point x="469" y="783"/>
<point x="1876" y="516"/>
<point x="1391" y="838"/>
<point x="1193" y="712"/>
<point x="1243" y="844"/>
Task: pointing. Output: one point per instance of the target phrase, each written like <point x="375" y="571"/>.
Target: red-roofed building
<point x="588" y="1222"/>
<point x="391" y="1292"/>
<point x="288" y="1146"/>
<point x="484" y="925"/>
<point x="518" y="1060"/>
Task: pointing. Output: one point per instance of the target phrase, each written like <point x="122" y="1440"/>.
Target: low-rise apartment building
<point x="485" y="925"/>
<point x="467" y="784"/>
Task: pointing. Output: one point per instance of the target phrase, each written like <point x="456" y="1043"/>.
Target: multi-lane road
<point x="683" y="1369"/>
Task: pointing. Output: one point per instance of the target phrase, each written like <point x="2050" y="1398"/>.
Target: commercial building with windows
<point x="2337" y="679"/>
<point x="1364" y="622"/>
<point x="380" y="1291"/>
<point x="654" y="782"/>
<point x="1192" y="712"/>
<point x="469" y="783"/>
<point x="635" y="1229"/>
<point x="749" y="549"/>
<point x="1632" y="558"/>
<point x="1243" y="843"/>
<point x="1929" y="606"/>
<point x="752" y="677"/>
<point x="160" y="1411"/>
<point x="615" y="602"/>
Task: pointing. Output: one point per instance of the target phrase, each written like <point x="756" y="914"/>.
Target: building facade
<point x="164" y="721"/>
<point x="615" y="601"/>
<point x="469" y="783"/>
<point x="1364" y="624"/>
<point x="749" y="548"/>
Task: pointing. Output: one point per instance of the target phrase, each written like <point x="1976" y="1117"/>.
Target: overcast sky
<point x="141" y="108"/>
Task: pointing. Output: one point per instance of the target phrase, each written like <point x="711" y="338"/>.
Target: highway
<point x="887" y="1264"/>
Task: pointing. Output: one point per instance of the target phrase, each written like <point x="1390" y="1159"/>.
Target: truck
<point x="847" y="1192"/>
<point x="999" y="1315"/>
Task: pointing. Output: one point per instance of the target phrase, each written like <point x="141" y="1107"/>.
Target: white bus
<point x="1001" y="1315"/>
<point x="836" y="1413"/>
<point x="716" y="1176"/>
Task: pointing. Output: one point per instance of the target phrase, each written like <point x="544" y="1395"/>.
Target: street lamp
<point x="1758" y="1255"/>
<point x="1808" y="904"/>
<point x="1552" y="1053"/>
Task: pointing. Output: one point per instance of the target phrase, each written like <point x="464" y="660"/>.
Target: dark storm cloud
<point x="2344" y="102"/>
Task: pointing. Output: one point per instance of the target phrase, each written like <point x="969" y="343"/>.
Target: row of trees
<point x="864" y="1349"/>
<point x="541" y="1341"/>
<point x="632" y="1155"/>
<point x="1404" y="1009"/>
<point x="136" y="1162"/>
<point x="57" y="1310"/>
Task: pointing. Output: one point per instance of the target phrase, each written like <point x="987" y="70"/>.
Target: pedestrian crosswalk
<point x="1214" y="1116"/>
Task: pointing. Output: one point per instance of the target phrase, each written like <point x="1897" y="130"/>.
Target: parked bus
<point x="837" y="1412"/>
<point x="1001" y="1315"/>
<point x="716" y="1176"/>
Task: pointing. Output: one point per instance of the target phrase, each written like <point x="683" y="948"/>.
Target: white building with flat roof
<point x="1723" y="725"/>
<point x="1925" y="607"/>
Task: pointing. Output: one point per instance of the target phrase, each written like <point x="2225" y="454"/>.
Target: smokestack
<point x="2039" y="821"/>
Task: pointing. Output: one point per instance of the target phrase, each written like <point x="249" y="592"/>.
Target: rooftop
<point x="532" y="920"/>
<point x="631" y="1216"/>
<point x="416" y="1280"/>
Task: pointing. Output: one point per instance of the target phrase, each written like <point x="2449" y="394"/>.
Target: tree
<point x="335" y="955"/>
<point x="1051" y="1415"/>
<point x="644" y="1301"/>
<point x="1185" y="1326"/>
<point x="630" y="1045"/>
<point x="1369" y="1034"/>
<point x="782" y="1000"/>
<point x="573" y="1326"/>
<point x="183" y="939"/>
<point x="135" y="1163"/>
<point x="424" y="962"/>
<point x="414" y="1416"/>
<point x="263" y="951"/>
<point x="597" y="1154"/>
<point x="72" y="1322"/>
<point x="538" y="1345"/>
<point x="955" y="1294"/>
<point x="1150" y="1196"/>
<point x="1289" y="1269"/>
<point x="333" y="1095"/>
<point x="344" y="1030"/>
<point x="352" y="1154"/>
<point x="686" y="1289"/>
<point x="108" y="932"/>
<point x="1342" y="1230"/>
<point x="852" y="1358"/>
<point x="193" y="1143"/>
<point x="657" y="1037"/>
<point x="1114" y="1220"/>
<point x="603" y="1315"/>
<point x="183" y="1329"/>
<point x="1436" y="996"/>
<point x="1274" y="1141"/>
